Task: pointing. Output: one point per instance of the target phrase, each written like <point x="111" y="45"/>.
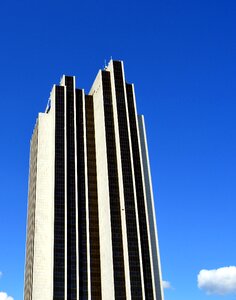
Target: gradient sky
<point x="181" y="56"/>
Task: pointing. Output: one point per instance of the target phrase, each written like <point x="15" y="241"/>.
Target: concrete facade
<point x="91" y="230"/>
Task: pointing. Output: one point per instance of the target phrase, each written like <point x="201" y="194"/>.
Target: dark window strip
<point x="83" y="273"/>
<point x="134" y="261"/>
<point x="140" y="195"/>
<point x="71" y="211"/>
<point x="59" y="198"/>
<point x="117" y="243"/>
<point x="95" y="269"/>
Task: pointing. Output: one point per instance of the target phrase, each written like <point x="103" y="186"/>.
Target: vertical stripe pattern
<point x="117" y="244"/>
<point x="132" y="234"/>
<point x="140" y="195"/>
<point x="93" y="202"/>
<point x="59" y="198"/>
<point x="83" y="273"/>
<point x="31" y="216"/>
<point x="104" y="241"/>
<point x="71" y="211"/>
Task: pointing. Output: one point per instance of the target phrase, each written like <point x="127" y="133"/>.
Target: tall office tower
<point x="91" y="222"/>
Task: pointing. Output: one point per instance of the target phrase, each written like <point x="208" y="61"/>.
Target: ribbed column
<point x="134" y="251"/>
<point x="151" y="211"/>
<point x="95" y="267"/>
<point x="29" y="265"/>
<point x="71" y="191"/>
<point x="140" y="194"/>
<point x="59" y="197"/>
<point x="115" y="206"/>
<point x="104" y="210"/>
<point x="81" y="201"/>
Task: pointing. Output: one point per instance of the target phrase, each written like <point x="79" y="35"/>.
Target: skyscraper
<point x="91" y="230"/>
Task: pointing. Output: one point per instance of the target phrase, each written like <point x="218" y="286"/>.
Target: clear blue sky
<point x="181" y="56"/>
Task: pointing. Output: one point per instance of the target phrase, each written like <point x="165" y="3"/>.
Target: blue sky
<point x="181" y="56"/>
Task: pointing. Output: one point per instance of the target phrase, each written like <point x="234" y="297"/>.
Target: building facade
<point x="91" y="231"/>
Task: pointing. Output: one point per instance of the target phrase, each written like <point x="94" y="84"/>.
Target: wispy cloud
<point x="218" y="281"/>
<point x="166" y="284"/>
<point x="4" y="296"/>
<point x="0" y="274"/>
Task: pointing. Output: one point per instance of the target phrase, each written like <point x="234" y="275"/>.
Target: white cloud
<point x="0" y="274"/>
<point x="4" y="296"/>
<point x="166" y="284"/>
<point x="219" y="281"/>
